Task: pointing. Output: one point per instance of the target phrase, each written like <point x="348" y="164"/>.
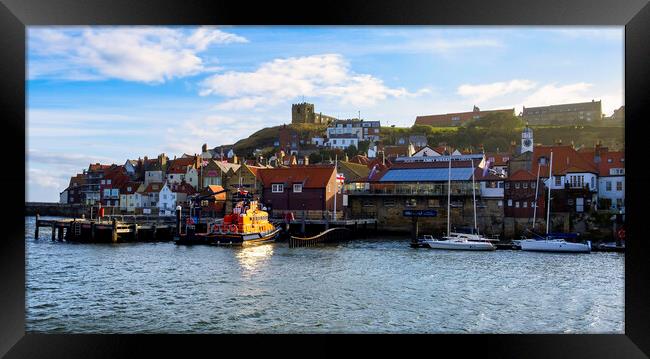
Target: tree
<point x="315" y="158"/>
<point x="363" y="146"/>
<point x="351" y="151"/>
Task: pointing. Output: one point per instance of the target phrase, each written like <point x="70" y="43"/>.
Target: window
<point x="297" y="187"/>
<point x="533" y="184"/>
<point x="610" y="160"/>
<point x="525" y="205"/>
<point x="517" y="204"/>
<point x="619" y="186"/>
<point x="608" y="186"/>
<point x="507" y="185"/>
<point x="509" y="203"/>
<point x="368" y="203"/>
<point x="128" y="189"/>
<point x="500" y="203"/>
<point x="389" y="203"/>
<point x="500" y="184"/>
<point x="411" y="202"/>
<point x="277" y="188"/>
<point x="619" y="203"/>
<point x="525" y="184"/>
<point x="433" y="203"/>
<point x="103" y="182"/>
<point x="517" y="185"/>
<point x="505" y="159"/>
<point x="558" y="181"/>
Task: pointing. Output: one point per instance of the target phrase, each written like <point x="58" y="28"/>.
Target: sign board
<point x="419" y="213"/>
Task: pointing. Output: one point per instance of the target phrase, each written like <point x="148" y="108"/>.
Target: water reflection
<point x="253" y="257"/>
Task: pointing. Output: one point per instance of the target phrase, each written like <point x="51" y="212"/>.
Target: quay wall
<point x="388" y="210"/>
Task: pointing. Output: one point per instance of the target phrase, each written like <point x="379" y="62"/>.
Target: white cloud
<point x="141" y="54"/>
<point x="485" y="92"/>
<point x="554" y="94"/>
<point x="281" y="80"/>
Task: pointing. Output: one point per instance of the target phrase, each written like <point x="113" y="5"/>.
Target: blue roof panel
<point x="426" y="175"/>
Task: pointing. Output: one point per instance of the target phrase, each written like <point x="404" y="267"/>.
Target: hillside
<point x="497" y="135"/>
<point x="264" y="138"/>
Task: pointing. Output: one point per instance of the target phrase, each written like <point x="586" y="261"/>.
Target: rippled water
<point x="371" y="286"/>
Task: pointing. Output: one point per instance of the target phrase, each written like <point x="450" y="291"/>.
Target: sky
<point x="107" y="94"/>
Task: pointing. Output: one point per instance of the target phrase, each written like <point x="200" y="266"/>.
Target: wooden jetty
<point x="110" y="228"/>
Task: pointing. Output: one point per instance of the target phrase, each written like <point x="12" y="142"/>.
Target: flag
<point x="486" y="168"/>
<point x="373" y="171"/>
<point x="340" y="177"/>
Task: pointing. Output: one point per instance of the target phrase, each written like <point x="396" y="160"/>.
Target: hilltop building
<point x="584" y="112"/>
<point x="458" y="118"/>
<point x="304" y="113"/>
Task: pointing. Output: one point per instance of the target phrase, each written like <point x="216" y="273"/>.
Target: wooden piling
<point x="38" y="220"/>
<point x="92" y="231"/>
<point x="153" y="232"/>
<point x="114" y="231"/>
<point x="53" y="231"/>
<point x="61" y="229"/>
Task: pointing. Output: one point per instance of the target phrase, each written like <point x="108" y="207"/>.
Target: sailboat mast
<point x="449" y="200"/>
<point x="548" y="205"/>
<point x="474" y="195"/>
<point x="336" y="183"/>
<point x="535" y="201"/>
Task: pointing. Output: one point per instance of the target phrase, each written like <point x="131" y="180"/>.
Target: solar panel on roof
<point x="426" y="174"/>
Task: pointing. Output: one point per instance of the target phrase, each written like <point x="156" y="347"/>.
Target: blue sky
<point x="105" y="94"/>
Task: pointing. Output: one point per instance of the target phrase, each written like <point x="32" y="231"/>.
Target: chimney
<point x="306" y="161"/>
<point x="204" y="148"/>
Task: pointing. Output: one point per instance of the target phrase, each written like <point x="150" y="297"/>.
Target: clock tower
<point x="527" y="140"/>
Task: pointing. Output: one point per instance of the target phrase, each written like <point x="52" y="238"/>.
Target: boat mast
<point x="474" y="195"/>
<point x="336" y="184"/>
<point x="548" y="205"/>
<point x="449" y="200"/>
<point x="535" y="201"/>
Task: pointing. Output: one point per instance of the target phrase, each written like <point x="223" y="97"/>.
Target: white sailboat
<point x="456" y="241"/>
<point x="550" y="244"/>
<point x="475" y="236"/>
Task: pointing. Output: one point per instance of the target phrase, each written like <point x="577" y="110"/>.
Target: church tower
<point x="527" y="140"/>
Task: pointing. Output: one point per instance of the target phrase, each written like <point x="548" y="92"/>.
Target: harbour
<point x="273" y="288"/>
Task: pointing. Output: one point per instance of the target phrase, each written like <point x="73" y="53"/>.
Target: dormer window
<point x="297" y="187"/>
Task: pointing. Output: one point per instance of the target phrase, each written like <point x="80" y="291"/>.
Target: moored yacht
<point x="552" y="243"/>
<point x="454" y="240"/>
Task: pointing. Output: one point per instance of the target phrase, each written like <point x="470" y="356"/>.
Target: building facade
<point x="458" y="118"/>
<point x="572" y="113"/>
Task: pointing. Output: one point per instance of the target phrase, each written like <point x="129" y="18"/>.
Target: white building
<point x="166" y="201"/>
<point x="342" y="141"/>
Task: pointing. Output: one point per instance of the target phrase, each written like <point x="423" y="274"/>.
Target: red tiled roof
<point x="564" y="158"/>
<point x="446" y="119"/>
<point x="360" y="159"/>
<point x="183" y="187"/>
<point x="398" y="150"/>
<point x="604" y="166"/>
<point x="522" y="175"/>
<point x="154" y="187"/>
<point x="310" y="176"/>
<point x="133" y="185"/>
<point x="498" y="158"/>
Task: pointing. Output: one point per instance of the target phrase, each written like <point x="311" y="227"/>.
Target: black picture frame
<point x="15" y="15"/>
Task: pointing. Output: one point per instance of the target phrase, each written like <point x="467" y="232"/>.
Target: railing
<point x="306" y="214"/>
<point x="421" y="189"/>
